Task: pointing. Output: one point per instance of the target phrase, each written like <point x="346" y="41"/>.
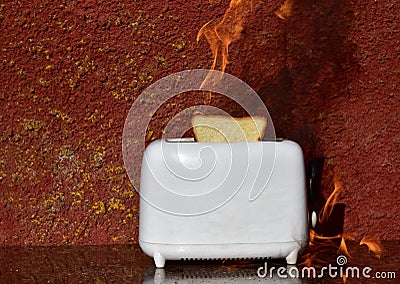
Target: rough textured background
<point x="70" y="71"/>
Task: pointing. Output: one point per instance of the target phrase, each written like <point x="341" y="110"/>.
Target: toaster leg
<point x="292" y="257"/>
<point x="159" y="260"/>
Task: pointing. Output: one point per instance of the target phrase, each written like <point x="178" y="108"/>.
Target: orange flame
<point x="320" y="246"/>
<point x="222" y="33"/>
<point x="373" y="245"/>
<point x="285" y="11"/>
<point x="343" y="247"/>
<point x="330" y="203"/>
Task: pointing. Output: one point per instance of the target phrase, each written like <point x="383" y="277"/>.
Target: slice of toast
<point x="214" y="128"/>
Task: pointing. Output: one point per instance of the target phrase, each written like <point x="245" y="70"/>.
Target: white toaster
<point x="223" y="200"/>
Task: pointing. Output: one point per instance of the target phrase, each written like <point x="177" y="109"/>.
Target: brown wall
<point x="70" y="71"/>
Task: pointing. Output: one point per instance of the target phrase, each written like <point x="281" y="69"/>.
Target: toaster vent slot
<point x="200" y="258"/>
<point x="223" y="258"/>
<point x="216" y="274"/>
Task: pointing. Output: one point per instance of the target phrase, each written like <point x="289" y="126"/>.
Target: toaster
<point x="222" y="200"/>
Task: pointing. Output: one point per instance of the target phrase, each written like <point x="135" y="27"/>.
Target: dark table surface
<point x="128" y="264"/>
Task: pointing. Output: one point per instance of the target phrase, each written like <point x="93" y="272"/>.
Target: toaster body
<point x="222" y="201"/>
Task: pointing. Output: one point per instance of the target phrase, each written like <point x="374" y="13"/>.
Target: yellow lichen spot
<point x="116" y="204"/>
<point x="95" y="116"/>
<point x="86" y="177"/>
<point x="129" y="193"/>
<point x="77" y="193"/>
<point x="49" y="201"/>
<point x="114" y="239"/>
<point x="65" y="152"/>
<point x="159" y="59"/>
<point x="59" y="114"/>
<point x="32" y="124"/>
<point x="99" y="207"/>
<point x="116" y="95"/>
<point x="116" y="189"/>
<point x="48" y="67"/>
<point x="2" y="176"/>
<point x="79" y="230"/>
<point x="110" y="121"/>
<point x="118" y="22"/>
<point x="97" y="160"/>
<point x="180" y="45"/>
<point x="44" y="83"/>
